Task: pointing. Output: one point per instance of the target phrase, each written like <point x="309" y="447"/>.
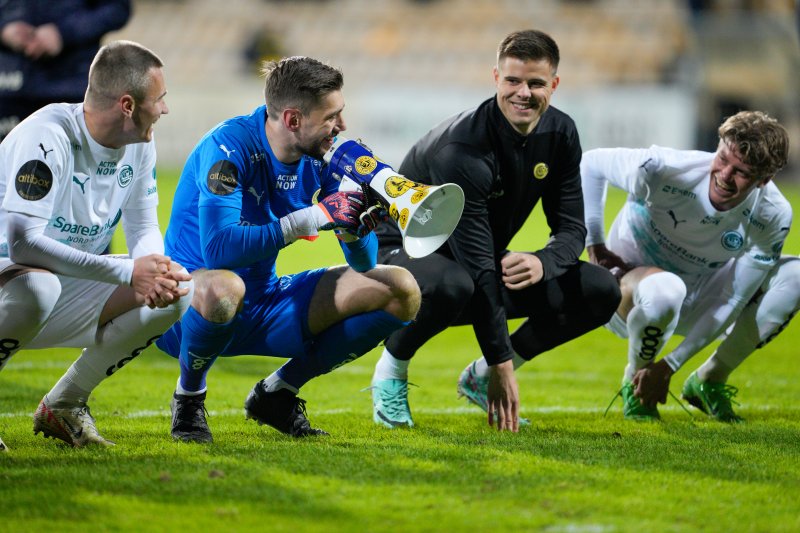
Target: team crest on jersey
<point x="34" y="180"/>
<point x="125" y="176"/>
<point x="540" y="171"/>
<point x="222" y="178"/>
<point x="732" y="240"/>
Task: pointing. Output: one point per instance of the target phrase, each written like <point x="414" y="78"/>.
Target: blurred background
<point x="633" y="72"/>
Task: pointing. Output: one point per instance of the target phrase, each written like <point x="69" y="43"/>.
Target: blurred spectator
<point x="46" y="48"/>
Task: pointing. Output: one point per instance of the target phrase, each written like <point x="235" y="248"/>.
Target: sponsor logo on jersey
<point x="44" y="151"/>
<point x="674" y="218"/>
<point x="259" y="156"/>
<point x="747" y="213"/>
<point x="107" y="168"/>
<point x="125" y="176"/>
<point x="285" y="182"/>
<point x="64" y="226"/>
<point x="365" y="164"/>
<point x="81" y="184"/>
<point x="669" y="189"/>
<point x="34" y="180"/>
<point x="540" y="171"/>
<point x="708" y="219"/>
<point x="223" y="178"/>
<point x="732" y="240"/>
<point x="225" y="149"/>
<point x="254" y="192"/>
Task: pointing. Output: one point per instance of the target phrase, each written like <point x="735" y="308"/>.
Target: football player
<point x="72" y="173"/>
<point x="696" y="247"/>
<point x="248" y="190"/>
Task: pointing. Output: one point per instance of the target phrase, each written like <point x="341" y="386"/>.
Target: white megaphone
<point x="425" y="214"/>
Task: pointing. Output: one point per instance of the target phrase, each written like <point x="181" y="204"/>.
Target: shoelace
<point x="195" y="406"/>
<point x="723" y="394"/>
<point x="394" y="401"/>
<point x="619" y="394"/>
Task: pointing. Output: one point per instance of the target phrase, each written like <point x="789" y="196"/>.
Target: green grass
<point x="573" y="470"/>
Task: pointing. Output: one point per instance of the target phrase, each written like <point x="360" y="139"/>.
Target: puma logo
<point x="225" y="149"/>
<point x="45" y="152"/>
<point x="81" y="183"/>
<point x="252" y="190"/>
<point x="674" y="219"/>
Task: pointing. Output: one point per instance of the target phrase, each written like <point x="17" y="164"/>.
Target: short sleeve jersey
<point x="233" y="166"/>
<point x="54" y="169"/>
<point x="668" y="219"/>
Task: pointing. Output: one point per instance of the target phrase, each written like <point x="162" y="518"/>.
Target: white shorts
<point x="76" y="316"/>
<point x="699" y="291"/>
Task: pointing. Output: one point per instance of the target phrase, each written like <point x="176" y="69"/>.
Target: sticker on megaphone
<point x="425" y="214"/>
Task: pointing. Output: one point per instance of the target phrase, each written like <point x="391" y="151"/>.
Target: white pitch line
<point x="464" y="410"/>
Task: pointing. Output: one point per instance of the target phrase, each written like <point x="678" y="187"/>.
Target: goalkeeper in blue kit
<point x="248" y="189"/>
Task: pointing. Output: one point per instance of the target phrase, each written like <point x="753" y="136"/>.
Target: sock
<point x="714" y="370"/>
<point x="273" y="382"/>
<point x="761" y="320"/>
<point x="183" y="392"/>
<point x="26" y="302"/>
<point x="119" y="342"/>
<point x="657" y="303"/>
<point x="389" y="367"/>
<point x="481" y="367"/>
<point x="201" y="343"/>
<point x="341" y="343"/>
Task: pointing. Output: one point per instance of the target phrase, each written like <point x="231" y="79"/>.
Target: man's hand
<point x="651" y="383"/>
<point x="167" y="289"/>
<point x="343" y="210"/>
<point x="503" y="397"/>
<point x="602" y="256"/>
<point x="16" y="35"/>
<point x="156" y="279"/>
<point x="520" y="270"/>
<point x="46" y="42"/>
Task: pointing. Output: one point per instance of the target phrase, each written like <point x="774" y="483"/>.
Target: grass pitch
<point x="572" y="470"/>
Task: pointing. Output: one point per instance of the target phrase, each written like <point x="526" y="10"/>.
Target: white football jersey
<point x="53" y="169"/>
<point x="668" y="220"/>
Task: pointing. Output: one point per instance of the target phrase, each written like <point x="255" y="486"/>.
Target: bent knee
<point x="34" y="292"/>
<point x="406" y="294"/>
<point x="218" y="294"/>
<point x="662" y="288"/>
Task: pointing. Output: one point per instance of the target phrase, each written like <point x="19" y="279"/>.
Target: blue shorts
<point x="274" y="320"/>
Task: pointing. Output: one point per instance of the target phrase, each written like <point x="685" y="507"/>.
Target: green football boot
<point x="712" y="398"/>
<point x="633" y="408"/>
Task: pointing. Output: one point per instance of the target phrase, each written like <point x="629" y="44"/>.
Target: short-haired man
<point x="72" y="172"/>
<point x="508" y="153"/>
<point x="249" y="189"/>
<point x="696" y="246"/>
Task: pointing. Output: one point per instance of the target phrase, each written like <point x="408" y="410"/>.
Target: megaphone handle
<point x="371" y="197"/>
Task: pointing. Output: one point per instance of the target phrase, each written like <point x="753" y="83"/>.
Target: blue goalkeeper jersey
<point x="231" y="195"/>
